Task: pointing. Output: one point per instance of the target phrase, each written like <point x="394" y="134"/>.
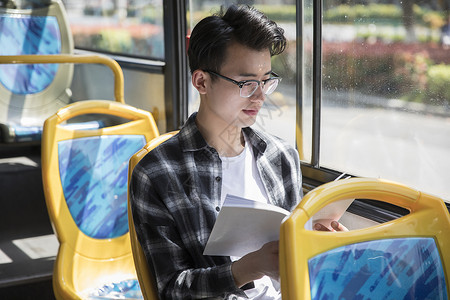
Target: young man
<point x="178" y="188"/>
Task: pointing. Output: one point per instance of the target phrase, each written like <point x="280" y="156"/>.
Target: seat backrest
<point x="406" y="258"/>
<point x="145" y="276"/>
<point x="85" y="176"/>
<point x="31" y="93"/>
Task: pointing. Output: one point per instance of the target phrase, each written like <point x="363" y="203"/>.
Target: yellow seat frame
<point x="145" y="276"/>
<point x="73" y="59"/>
<point x="428" y="217"/>
<point x="83" y="262"/>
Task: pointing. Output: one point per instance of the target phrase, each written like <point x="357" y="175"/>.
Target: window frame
<point x="313" y="174"/>
<point x="176" y="81"/>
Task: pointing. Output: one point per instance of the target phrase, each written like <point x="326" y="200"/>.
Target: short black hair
<point x="239" y="23"/>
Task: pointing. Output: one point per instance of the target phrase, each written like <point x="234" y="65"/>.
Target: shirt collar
<point x="192" y="140"/>
<point x="190" y="137"/>
<point x="255" y="139"/>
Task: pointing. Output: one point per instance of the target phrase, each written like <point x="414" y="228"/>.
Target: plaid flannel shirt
<point x="175" y="190"/>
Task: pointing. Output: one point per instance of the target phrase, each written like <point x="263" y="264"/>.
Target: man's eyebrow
<point x="254" y="75"/>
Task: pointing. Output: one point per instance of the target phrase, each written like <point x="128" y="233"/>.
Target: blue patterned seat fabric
<point x="402" y="268"/>
<point x="128" y="289"/>
<point x="24" y="34"/>
<point x="94" y="177"/>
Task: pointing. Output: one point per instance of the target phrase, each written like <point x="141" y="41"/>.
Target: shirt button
<point x="218" y="178"/>
<point x="217" y="208"/>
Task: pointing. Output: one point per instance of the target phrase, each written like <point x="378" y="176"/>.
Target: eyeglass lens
<point x="250" y="87"/>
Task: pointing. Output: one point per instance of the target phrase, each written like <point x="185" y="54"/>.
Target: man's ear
<point x="199" y="80"/>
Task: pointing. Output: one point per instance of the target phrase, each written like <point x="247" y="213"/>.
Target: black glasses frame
<point x="240" y="84"/>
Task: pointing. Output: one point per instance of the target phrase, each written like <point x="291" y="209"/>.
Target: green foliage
<point x="385" y="36"/>
<point x="395" y="36"/>
<point x="349" y="14"/>
<point x="349" y="71"/>
<point x="152" y="15"/>
<point x="363" y="13"/>
<point x="393" y="71"/>
<point x="380" y="13"/>
<point x="410" y="75"/>
<point x="439" y="82"/>
<point x="429" y="18"/>
<point x="423" y="81"/>
<point x="279" y="13"/>
<point x="115" y="40"/>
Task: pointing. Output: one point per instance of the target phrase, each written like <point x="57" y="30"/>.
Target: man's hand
<point x="257" y="264"/>
<point x="335" y="226"/>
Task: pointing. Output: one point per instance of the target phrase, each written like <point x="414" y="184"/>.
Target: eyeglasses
<point x="249" y="87"/>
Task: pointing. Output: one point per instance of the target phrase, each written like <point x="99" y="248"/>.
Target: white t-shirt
<point x="240" y="177"/>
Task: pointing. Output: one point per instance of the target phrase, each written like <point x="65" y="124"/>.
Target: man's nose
<point x="258" y="95"/>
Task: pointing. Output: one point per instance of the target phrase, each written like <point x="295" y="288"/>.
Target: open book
<point x="245" y="225"/>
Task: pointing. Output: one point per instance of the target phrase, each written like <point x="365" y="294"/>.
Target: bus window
<point x="130" y="28"/>
<point x="278" y="115"/>
<point x="385" y="94"/>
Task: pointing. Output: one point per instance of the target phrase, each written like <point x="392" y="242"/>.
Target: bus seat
<point x="84" y="176"/>
<point x="145" y="276"/>
<point x="406" y="258"/>
<point x="31" y="93"/>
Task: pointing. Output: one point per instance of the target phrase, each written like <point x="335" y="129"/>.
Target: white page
<point x="331" y="212"/>
<point x="244" y="226"/>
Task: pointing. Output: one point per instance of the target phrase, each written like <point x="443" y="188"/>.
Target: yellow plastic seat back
<point x="145" y="276"/>
<point x="85" y="184"/>
<point x="406" y="258"/>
